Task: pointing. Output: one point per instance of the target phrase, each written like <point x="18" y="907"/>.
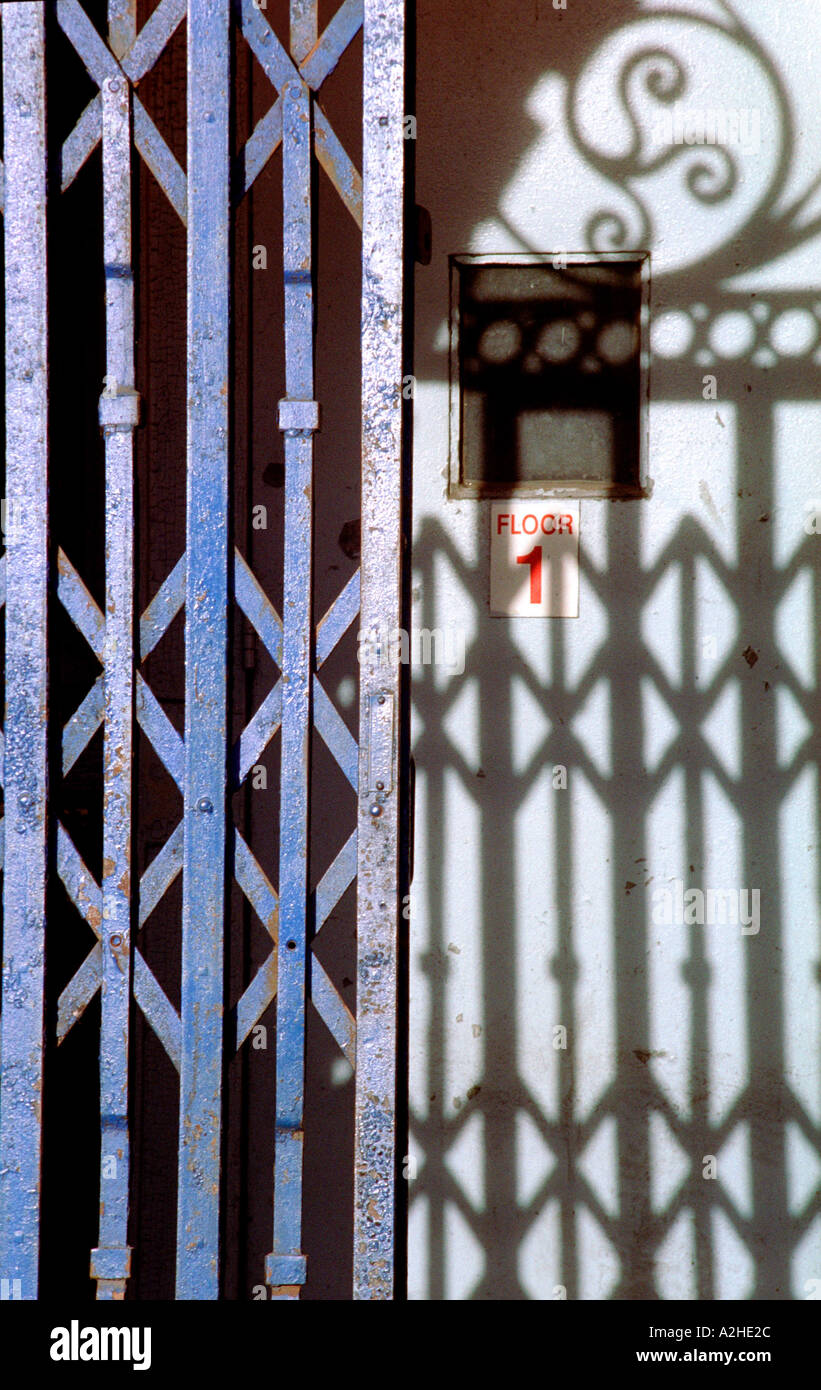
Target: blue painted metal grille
<point x="205" y="847"/>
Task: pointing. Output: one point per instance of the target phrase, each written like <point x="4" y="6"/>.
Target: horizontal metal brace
<point x="300" y="416"/>
<point x="111" y="1263"/>
<point x="119" y="410"/>
<point x="285" y="1269"/>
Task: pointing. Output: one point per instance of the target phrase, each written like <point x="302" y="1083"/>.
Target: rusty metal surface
<point x="206" y="652"/>
<point x="25" y="572"/>
<point x="110" y="1261"/>
<point x="298" y="418"/>
<point x="378" y="905"/>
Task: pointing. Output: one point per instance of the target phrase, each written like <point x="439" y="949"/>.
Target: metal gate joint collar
<point x="285" y="1269"/>
<point x="111" y="1262"/>
<point x="119" y="410"/>
<point x="298" y="416"/>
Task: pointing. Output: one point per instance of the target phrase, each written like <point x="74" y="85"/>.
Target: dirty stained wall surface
<point x="606" y="1098"/>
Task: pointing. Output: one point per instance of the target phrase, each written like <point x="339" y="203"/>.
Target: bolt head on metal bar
<point x="120" y="410"/>
<point x="108" y="1263"/>
<point x="285" y="1269"/>
<point x="300" y="416"/>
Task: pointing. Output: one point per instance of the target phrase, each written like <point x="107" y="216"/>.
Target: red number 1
<point x="534" y="559"/>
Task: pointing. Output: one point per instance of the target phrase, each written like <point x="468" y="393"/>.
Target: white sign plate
<point x="534" y="559"/>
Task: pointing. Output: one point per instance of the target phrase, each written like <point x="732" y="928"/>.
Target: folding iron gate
<point x="38" y="577"/>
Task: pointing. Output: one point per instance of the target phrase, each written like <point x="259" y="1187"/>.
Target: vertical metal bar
<point x="206" y="601"/>
<point x="378" y="820"/>
<point x="298" y="417"/>
<point x="24" y="887"/>
<point x="304" y="28"/>
<point x="110" y="1260"/>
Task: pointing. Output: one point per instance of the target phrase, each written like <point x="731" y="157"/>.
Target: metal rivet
<point x="116" y="939"/>
<point x="376" y="809"/>
<point x="25" y="799"/>
<point x="113" y="84"/>
<point x="380" y="786"/>
<point x="380" y="699"/>
<point x="204" y="804"/>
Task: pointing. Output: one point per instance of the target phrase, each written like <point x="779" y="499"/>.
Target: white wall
<point x="680" y="701"/>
